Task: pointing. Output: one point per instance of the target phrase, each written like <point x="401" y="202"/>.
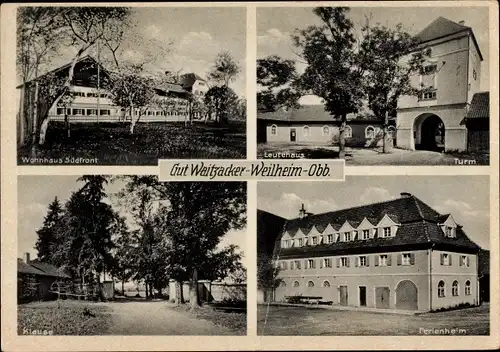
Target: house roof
<point x="479" y="107"/>
<point x="36" y="267"/>
<point x="484" y="262"/>
<point x="306" y="114"/>
<point x="419" y="226"/>
<point x="269" y="227"/>
<point x="188" y="79"/>
<point x="442" y="27"/>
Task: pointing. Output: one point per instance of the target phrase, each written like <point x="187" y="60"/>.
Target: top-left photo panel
<point x="130" y="85"/>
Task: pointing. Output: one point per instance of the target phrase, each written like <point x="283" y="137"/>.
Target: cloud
<point x="153" y="31"/>
<point x="462" y="208"/>
<point x="198" y="46"/>
<point x="274" y="42"/>
<point x="288" y="205"/>
<point x="375" y="194"/>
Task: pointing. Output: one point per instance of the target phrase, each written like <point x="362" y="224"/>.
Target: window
<point x="326" y="130"/>
<point x="430" y="95"/>
<point x="296" y="284"/>
<point x="315" y="240"/>
<point x="392" y="131"/>
<point x="474" y="74"/>
<point x="441" y="292"/>
<point x="292" y="265"/>
<point x="104" y="95"/>
<point x="370" y="132"/>
<point x="344" y="262"/>
<point x="327" y="262"/>
<point x="362" y="260"/>
<point x="454" y="288"/>
<point x="274" y="130"/>
<point x="78" y="112"/>
<point x="326" y="283"/>
<point x="366" y="234"/>
<point x="283" y="266"/>
<point x="329" y="239"/>
<point x="310" y="284"/>
<point x="283" y="284"/>
<point x="445" y="259"/>
<point x="286" y="244"/>
<point x="448" y="231"/>
<point x="310" y="264"/>
<point x="383" y="261"/>
<point x="467" y="288"/>
<point x="60" y="111"/>
<point x="464" y="260"/>
<point x="406" y="259"/>
<point x="429" y="69"/>
<point x="347" y="236"/>
<point x="306" y="130"/>
<point x="301" y="242"/>
<point x="157" y="113"/>
<point x="91" y="111"/>
<point x="348" y="132"/>
<point x="297" y="264"/>
<point x="105" y="112"/>
<point x="387" y="232"/>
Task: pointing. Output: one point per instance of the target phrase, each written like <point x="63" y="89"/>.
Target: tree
<point x="48" y="235"/>
<point x="221" y="101"/>
<point x="280" y="81"/>
<point x="85" y="27"/>
<point x="331" y="45"/>
<point x="267" y="273"/>
<point x="387" y="73"/>
<point x="40" y="33"/>
<point x="123" y="253"/>
<point x="225" y="69"/>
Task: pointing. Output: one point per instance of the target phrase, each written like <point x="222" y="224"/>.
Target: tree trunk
<point x="146" y="286"/>
<point x="342" y="137"/>
<point x="386" y="146"/>
<point x="194" y="299"/>
<point x="178" y="293"/>
<point x="123" y="287"/>
<point x="22" y="133"/>
<point x="132" y="120"/>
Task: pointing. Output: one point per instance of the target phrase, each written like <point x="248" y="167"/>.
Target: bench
<point x="307" y="299"/>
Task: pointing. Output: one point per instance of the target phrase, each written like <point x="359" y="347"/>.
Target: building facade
<point x="400" y="254"/>
<point x="311" y="124"/>
<point x="451" y="77"/>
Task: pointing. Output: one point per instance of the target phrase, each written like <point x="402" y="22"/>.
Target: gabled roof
<point x="305" y="113"/>
<point x="270" y="226"/>
<point x="419" y="226"/>
<point x="442" y="27"/>
<point x="479" y="106"/>
<point x="36" y="267"/>
<point x="188" y="79"/>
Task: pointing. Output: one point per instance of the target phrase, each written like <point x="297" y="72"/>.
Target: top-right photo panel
<point x="374" y="85"/>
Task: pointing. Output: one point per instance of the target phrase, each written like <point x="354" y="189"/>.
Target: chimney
<point x="26" y="257"/>
<point x="302" y="212"/>
<point x="462" y="22"/>
<point x="405" y="195"/>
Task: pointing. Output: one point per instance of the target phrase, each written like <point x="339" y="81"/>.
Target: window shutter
<point x="367" y="260"/>
<point x="412" y="258"/>
<point x="356" y="261"/>
<point x="321" y="263"/>
<point x="442" y="258"/>
<point x="389" y="259"/>
<point x="338" y="262"/>
<point x="348" y="261"/>
<point x="451" y="257"/>
<point x="298" y="264"/>
<point x="314" y="263"/>
<point x="400" y="258"/>
<point x="305" y="264"/>
<point x="377" y="260"/>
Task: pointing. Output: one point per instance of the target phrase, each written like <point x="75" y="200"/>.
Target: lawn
<point x="63" y="318"/>
<point x="112" y="144"/>
<point x="236" y="321"/>
<point x="372" y="156"/>
<point x="290" y="321"/>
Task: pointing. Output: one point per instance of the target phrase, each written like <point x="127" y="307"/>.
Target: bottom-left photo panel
<point x="129" y="255"/>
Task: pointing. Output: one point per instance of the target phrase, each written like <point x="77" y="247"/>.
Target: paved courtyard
<point x="373" y="156"/>
<point x="291" y="321"/>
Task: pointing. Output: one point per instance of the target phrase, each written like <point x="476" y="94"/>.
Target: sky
<point x="193" y="36"/>
<point x="465" y="197"/>
<point x="36" y="192"/>
<point x="274" y="26"/>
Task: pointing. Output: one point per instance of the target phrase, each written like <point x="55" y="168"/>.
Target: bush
<point x="294" y="299"/>
<point x="455" y="307"/>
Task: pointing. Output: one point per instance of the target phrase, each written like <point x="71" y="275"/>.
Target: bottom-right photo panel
<point x="374" y="255"/>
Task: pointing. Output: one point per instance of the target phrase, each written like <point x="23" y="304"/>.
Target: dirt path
<point x="157" y="318"/>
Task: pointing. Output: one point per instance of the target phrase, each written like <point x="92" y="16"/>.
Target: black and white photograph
<point x="378" y="255"/>
<point x="130" y="85"/>
<point x="128" y="255"/>
<point x="374" y="85"/>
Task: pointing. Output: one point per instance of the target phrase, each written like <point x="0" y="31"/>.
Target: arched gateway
<point x="406" y="295"/>
<point x="429" y="132"/>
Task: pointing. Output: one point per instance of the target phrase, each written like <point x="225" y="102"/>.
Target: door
<point x="382" y="297"/>
<point x="293" y="135"/>
<point x="407" y="295"/>
<point x="362" y="296"/>
<point x="343" y="295"/>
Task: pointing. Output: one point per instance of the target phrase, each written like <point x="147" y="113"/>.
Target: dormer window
<point x="315" y="241"/>
<point x="347" y="236"/>
<point x="329" y="239"/>
<point x="450" y="232"/>
<point x="286" y="244"/>
<point x="301" y="242"/>
<point x="387" y="231"/>
<point x="366" y="234"/>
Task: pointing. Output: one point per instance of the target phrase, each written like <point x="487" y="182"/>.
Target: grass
<point x="112" y="144"/>
<point x="237" y="322"/>
<point x="290" y="321"/>
<point x="373" y="156"/>
<point x="63" y="318"/>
